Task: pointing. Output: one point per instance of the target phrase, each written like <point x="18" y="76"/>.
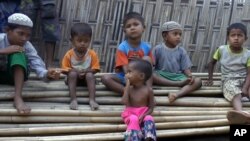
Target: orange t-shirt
<point x="71" y="60"/>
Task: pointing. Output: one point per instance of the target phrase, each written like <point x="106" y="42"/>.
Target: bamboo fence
<point x="204" y="23"/>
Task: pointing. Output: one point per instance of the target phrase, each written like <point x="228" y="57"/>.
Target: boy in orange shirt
<point x="81" y="63"/>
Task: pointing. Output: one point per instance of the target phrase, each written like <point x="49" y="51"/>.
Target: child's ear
<point x="164" y="34"/>
<point x="142" y="76"/>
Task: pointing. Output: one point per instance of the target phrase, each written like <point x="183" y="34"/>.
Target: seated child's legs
<point x="160" y="79"/>
<point x="148" y="129"/>
<point x="17" y="70"/>
<point x="236" y="102"/>
<point x="132" y="122"/>
<point x="232" y="92"/>
<point x="196" y="84"/>
<point x="248" y="94"/>
<point x="114" y="82"/>
<point x="90" y="80"/>
<point x="72" y="82"/>
<point x="133" y="135"/>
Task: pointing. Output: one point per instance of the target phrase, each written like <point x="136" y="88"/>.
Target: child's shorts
<point x="232" y="87"/>
<point x="7" y="76"/>
<point x="121" y="77"/>
<point x="171" y="76"/>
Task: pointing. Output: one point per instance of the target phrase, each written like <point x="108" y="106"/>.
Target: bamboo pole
<point x="100" y="113"/>
<point x="84" y="119"/>
<point x="119" y="135"/>
<point x="105" y="128"/>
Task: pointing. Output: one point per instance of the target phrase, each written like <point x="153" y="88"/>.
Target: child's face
<point x="134" y="75"/>
<point x="81" y="43"/>
<point x="236" y="38"/>
<point x="173" y="37"/>
<point x="133" y="29"/>
<point x="19" y="36"/>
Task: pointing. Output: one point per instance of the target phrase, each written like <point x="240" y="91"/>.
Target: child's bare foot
<point x="20" y="106"/>
<point x="74" y="104"/>
<point x="172" y="97"/>
<point x="238" y="117"/>
<point x="93" y="105"/>
<point x="184" y="82"/>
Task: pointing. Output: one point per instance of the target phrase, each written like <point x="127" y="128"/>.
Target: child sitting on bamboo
<point x="235" y="71"/>
<point x="172" y="61"/>
<point x="139" y="101"/>
<point x="18" y="57"/>
<point x="80" y="64"/>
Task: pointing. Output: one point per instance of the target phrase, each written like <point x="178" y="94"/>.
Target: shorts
<point x="121" y="77"/>
<point x="49" y="20"/>
<point x="232" y="87"/>
<point x="171" y="76"/>
<point x="7" y="76"/>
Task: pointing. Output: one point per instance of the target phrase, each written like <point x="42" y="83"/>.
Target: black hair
<point x="240" y="26"/>
<point x="133" y="15"/>
<point x="143" y="66"/>
<point x="81" y="29"/>
<point x="12" y="26"/>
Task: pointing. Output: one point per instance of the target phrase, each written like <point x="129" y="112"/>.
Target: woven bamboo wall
<point x="204" y="23"/>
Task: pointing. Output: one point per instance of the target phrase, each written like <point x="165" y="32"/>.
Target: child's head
<point x="81" y="34"/>
<point x="133" y="25"/>
<point x="236" y="34"/>
<point x="18" y="29"/>
<point x="171" y="33"/>
<point x="139" y="70"/>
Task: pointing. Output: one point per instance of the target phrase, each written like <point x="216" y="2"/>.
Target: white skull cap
<point x="20" y="19"/>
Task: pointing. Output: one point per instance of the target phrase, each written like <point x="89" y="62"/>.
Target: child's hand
<point x="82" y="75"/>
<point x="13" y="49"/>
<point x="53" y="74"/>
<point x="127" y="79"/>
<point x="208" y="83"/>
<point x="191" y="78"/>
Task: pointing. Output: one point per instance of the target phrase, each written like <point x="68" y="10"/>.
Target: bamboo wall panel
<point x="204" y="23"/>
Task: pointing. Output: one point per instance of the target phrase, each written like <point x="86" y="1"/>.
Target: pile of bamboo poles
<point x="202" y="112"/>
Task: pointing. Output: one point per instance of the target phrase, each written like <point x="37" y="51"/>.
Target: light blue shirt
<point x="34" y="61"/>
<point x="174" y="60"/>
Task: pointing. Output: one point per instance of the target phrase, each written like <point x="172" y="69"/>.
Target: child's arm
<point x="125" y="97"/>
<point x="188" y="73"/>
<point x="150" y="105"/>
<point x="246" y="84"/>
<point x="211" y="65"/>
<point x="11" y="49"/>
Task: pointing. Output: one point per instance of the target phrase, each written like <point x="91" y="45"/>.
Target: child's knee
<point x="198" y="82"/>
<point x="148" y="117"/>
<point x="105" y="78"/>
<point x="90" y="76"/>
<point x="133" y="119"/>
<point x="72" y="74"/>
<point x="147" y="58"/>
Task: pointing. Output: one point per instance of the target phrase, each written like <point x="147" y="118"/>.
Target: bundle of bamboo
<point x="202" y="112"/>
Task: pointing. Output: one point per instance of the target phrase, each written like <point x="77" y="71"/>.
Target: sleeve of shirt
<point x="66" y="61"/>
<point x="185" y="60"/>
<point x="248" y="62"/>
<point x="121" y="57"/>
<point x="154" y="54"/>
<point x="151" y="56"/>
<point x="95" y="64"/>
<point x="217" y="55"/>
<point x="35" y="62"/>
